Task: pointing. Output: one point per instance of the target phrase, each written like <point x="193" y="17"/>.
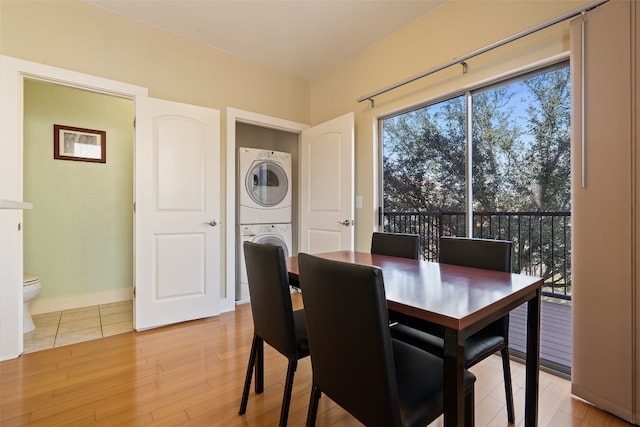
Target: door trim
<point x="13" y="71"/>
<point x="234" y="115"/>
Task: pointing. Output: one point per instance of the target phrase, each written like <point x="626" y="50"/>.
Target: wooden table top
<point x="452" y="296"/>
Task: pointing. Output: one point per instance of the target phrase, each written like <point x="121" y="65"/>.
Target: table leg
<point x="453" y="378"/>
<point x="533" y="360"/>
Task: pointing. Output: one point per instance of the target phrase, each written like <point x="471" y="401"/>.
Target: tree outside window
<point x="519" y="183"/>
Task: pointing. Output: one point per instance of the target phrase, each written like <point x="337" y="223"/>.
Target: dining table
<point x="460" y="300"/>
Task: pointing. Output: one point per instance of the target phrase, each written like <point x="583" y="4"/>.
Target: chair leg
<point x="470" y="408"/>
<point x="259" y="365"/>
<point x="508" y="389"/>
<point x="286" y="398"/>
<point x="313" y="406"/>
<point x="247" y="379"/>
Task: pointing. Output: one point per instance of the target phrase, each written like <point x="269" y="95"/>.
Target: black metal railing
<point x="541" y="240"/>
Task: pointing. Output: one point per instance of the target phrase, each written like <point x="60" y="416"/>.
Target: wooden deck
<point x="555" y="335"/>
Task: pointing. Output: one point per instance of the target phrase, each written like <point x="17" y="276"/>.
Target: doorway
<point x="265" y="211"/>
<point x="79" y="239"/>
<point x="13" y="72"/>
<point x="246" y="128"/>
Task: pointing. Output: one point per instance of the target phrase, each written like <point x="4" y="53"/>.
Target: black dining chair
<point x="355" y="362"/>
<point x="478" y="253"/>
<point x="274" y="320"/>
<point x="396" y="244"/>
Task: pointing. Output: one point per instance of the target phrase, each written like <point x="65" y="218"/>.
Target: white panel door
<point x="177" y="232"/>
<point x="326" y="186"/>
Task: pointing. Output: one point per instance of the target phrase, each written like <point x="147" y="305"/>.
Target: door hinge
<point x="134" y="122"/>
<point x="134" y="207"/>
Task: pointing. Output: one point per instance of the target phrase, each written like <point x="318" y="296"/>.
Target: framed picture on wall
<point x="84" y="145"/>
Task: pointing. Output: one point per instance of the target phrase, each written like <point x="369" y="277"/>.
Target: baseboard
<point x="47" y="305"/>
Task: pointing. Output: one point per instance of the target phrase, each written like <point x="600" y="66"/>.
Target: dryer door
<point x="266" y="183"/>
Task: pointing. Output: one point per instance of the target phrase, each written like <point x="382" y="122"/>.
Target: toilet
<point x="30" y="289"/>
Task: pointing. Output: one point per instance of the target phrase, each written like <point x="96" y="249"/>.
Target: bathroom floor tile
<point x="37" y="344"/>
<point x="116" y="308"/>
<point x="78" y="336"/>
<point x="108" y="319"/>
<point x="80" y="314"/>
<point x="79" y="325"/>
<point x="83" y="324"/>
<point x="117" y="328"/>
<point x="41" y="332"/>
<point x="46" y="319"/>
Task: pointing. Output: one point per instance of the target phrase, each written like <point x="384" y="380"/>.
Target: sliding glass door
<point x="492" y="163"/>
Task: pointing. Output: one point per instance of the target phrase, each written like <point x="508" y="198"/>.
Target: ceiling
<point x="304" y="38"/>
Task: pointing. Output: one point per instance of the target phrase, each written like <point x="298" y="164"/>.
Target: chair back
<point x="478" y="253"/>
<point x="396" y="244"/>
<point x="270" y="296"/>
<point x="349" y="338"/>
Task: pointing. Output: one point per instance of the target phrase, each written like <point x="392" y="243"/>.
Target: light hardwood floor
<point x="192" y="374"/>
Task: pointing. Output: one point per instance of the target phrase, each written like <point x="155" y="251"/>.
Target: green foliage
<point x="424" y="159"/>
<point x="520" y="150"/>
<point x="520" y="162"/>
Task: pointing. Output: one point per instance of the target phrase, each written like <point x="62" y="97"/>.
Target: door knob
<point x="211" y="223"/>
<point x="346" y="223"/>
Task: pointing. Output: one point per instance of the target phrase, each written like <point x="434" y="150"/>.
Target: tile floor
<point x="77" y="325"/>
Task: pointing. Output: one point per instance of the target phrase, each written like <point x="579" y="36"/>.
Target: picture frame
<point x="79" y="144"/>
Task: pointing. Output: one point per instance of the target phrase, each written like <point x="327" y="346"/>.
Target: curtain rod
<point x="480" y="51"/>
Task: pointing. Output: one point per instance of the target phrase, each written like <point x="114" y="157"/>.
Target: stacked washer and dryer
<point x="265" y="204"/>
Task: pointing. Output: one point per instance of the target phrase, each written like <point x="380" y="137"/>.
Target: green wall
<point x="79" y="235"/>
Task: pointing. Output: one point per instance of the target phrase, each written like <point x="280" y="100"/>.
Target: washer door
<point x="274" y="240"/>
<point x="267" y="183"/>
